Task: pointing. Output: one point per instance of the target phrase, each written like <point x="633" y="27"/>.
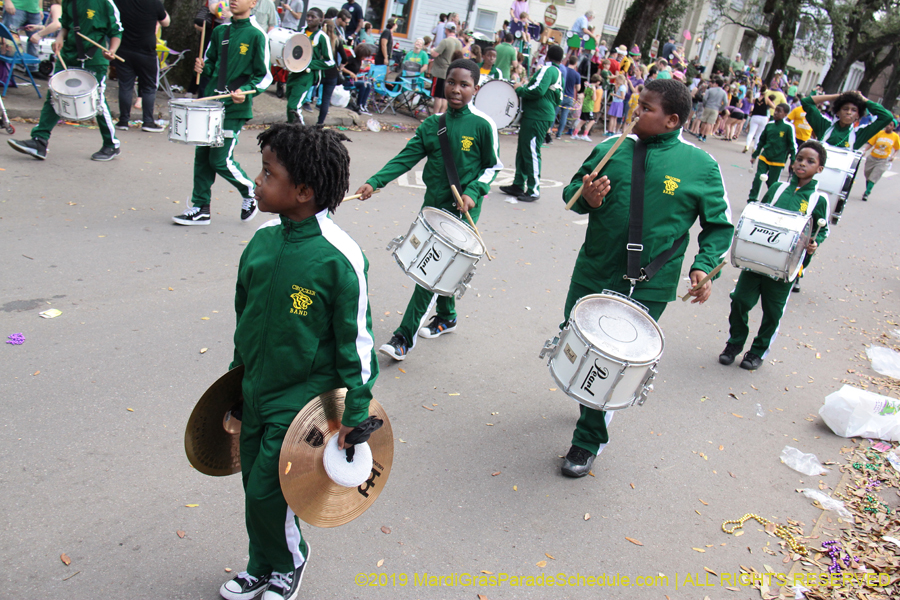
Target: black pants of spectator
<point x="146" y="68"/>
<point x="328" y="86"/>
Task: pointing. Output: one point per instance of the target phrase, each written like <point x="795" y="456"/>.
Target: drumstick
<point x="703" y="281"/>
<point x="220" y="96"/>
<point x="202" y="41"/>
<point x="357" y="196"/>
<point x="101" y="47"/>
<point x="471" y="222"/>
<point x="59" y="56"/>
<point x="603" y="162"/>
<point x="819" y="225"/>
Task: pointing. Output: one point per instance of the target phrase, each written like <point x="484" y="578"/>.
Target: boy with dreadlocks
<point x="304" y="326"/>
<point x="474" y="150"/>
<point x="848" y="108"/>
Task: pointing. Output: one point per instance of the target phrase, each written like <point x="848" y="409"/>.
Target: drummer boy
<point x="244" y="71"/>
<point x="475" y="152"/>
<point x="300" y="332"/>
<point x="681" y="184"/>
<point x="798" y="195"/>
<point x="848" y="108"/>
<point x="99" y="21"/>
<point x="299" y="84"/>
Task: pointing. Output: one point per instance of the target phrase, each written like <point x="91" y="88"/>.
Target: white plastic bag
<point x="885" y="361"/>
<point x="852" y="412"/>
<point x="340" y="97"/>
<point x="827" y="502"/>
<point x="807" y="464"/>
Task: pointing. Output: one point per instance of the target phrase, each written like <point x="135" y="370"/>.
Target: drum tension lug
<point x="395" y="242"/>
<point x="550" y="347"/>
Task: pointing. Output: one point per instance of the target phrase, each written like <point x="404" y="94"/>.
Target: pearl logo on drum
<point x="596" y="372"/>
<point x="771" y="235"/>
<point x="432" y="254"/>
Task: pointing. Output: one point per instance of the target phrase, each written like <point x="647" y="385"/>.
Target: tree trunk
<point x="875" y="67"/>
<point x="181" y="36"/>
<point x="892" y="90"/>
<point x="639" y="18"/>
<point x="840" y="66"/>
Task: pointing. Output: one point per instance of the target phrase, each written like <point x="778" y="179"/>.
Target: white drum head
<point x="498" y="100"/>
<point x="839" y="159"/>
<point x="618" y="328"/>
<point x="73" y="82"/>
<point x="452" y="230"/>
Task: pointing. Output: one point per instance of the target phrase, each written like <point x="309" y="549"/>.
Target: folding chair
<point x="382" y="89"/>
<point x="163" y="53"/>
<point x="19" y="58"/>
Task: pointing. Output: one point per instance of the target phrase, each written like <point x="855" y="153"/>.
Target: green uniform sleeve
<point x="323" y="58"/>
<point x="763" y="140"/>
<point x="539" y="84"/>
<point x="882" y="117"/>
<point x="814" y="117"/>
<point x="581" y="206"/>
<point x="212" y="51"/>
<point x="403" y="162"/>
<point x="715" y="220"/>
<point x="240" y="301"/>
<point x="113" y="25"/>
<point x="355" y="359"/>
<point x="260" y="67"/>
<point x="821" y="212"/>
<point x="490" y="164"/>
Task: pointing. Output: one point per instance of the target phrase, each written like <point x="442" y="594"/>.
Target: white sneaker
<point x="586" y="139"/>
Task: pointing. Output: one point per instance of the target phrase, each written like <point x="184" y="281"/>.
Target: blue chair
<point x="387" y="90"/>
<point x="19" y="58"/>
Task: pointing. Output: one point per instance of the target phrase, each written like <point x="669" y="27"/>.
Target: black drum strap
<point x="79" y="44"/>
<point x="449" y="165"/>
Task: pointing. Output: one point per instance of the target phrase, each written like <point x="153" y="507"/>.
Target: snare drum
<point x="75" y="94"/>
<point x="439" y="252"/>
<point x="499" y="101"/>
<point x="196" y="122"/>
<point x="606" y="356"/>
<point x="290" y="49"/>
<point x="837" y="177"/>
<point x="771" y="241"/>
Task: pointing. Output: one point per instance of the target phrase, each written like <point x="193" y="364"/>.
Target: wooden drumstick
<point x="62" y="62"/>
<point x="357" y="196"/>
<point x="459" y="201"/>
<point x="101" y="47"/>
<point x="202" y="42"/>
<point x="603" y="162"/>
<point x="703" y="281"/>
<point x="220" y="96"/>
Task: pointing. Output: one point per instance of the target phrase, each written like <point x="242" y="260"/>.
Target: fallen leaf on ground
<point x="737" y="415"/>
<point x="192" y="505"/>
<point x="488" y="572"/>
<point x="632" y="485"/>
<point x="708" y="570"/>
<point x="587" y="516"/>
<point x="721" y="447"/>
<point x="698" y="549"/>
<point x="482" y="597"/>
<point x="427" y="408"/>
<point x="180" y="533"/>
<point x="35" y="373"/>
<point x="401" y="370"/>
<point x="385" y="529"/>
<point x="203" y="350"/>
<point x="541" y="563"/>
<point x="515" y="488"/>
<point x="379" y="563"/>
<point x="65" y="558"/>
<point x="227" y="569"/>
<point x="702" y="502"/>
<point x="634" y="541"/>
<point x="495" y="474"/>
<point x="550" y="557"/>
<point x="130" y="410"/>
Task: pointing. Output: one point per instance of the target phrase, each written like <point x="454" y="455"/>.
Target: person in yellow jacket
<point x="884" y="147"/>
<point x="802" y="128"/>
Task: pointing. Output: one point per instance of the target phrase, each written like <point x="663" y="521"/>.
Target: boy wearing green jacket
<point x="98" y="20"/>
<point x="777" y="146"/>
<point x="798" y="195"/>
<point x="682" y="183"/>
<point x="304" y="327"/>
<point x="848" y="108"/>
<point x="540" y="98"/>
<point x="236" y="61"/>
<point x="475" y="147"/>
<point x="299" y="84"/>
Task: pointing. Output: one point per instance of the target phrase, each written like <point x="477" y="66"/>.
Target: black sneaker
<point x="249" y="209"/>
<point x="106" y="153"/>
<point x="548" y="139"/>
<point x="35" y="147"/>
<point x="397" y="348"/>
<point x="286" y="586"/>
<point x="244" y="587"/>
<point x="527" y="198"/>
<point x="796" y="287"/>
<point x="193" y="215"/>
<point x="751" y="362"/>
<point x="153" y="128"/>
<point x="728" y="354"/>
<point x="123" y="125"/>
<point x="865" y="197"/>
<point x="438" y="327"/>
<point x="512" y="190"/>
<point x="578" y="462"/>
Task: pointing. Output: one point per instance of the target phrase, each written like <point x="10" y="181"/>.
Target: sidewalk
<point x="22" y="103"/>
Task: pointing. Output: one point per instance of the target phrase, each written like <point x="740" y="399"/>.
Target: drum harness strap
<point x="810" y="206"/>
<point x="79" y="44"/>
<point x="851" y="142"/>
<point x="449" y="165"/>
<point x="222" y="86"/>
<point x="633" y="271"/>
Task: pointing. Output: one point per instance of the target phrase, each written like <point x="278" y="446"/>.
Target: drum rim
<point x="94" y="89"/>
<point x="444" y="238"/>
<point x="605" y="354"/>
<point x="518" y="102"/>
<point x="191" y="104"/>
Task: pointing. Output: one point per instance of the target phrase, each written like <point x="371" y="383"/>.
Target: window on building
<point x="485" y="22"/>
<point x="375" y="13"/>
<point x="402" y="12"/>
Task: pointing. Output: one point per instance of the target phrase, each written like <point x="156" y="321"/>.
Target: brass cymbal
<point x="212" y="437"/>
<point x="310" y="493"/>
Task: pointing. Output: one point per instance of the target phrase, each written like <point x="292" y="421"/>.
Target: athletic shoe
<point x="512" y="190"/>
<point x="865" y="197"/>
<point x="286" y="586"/>
<point x="153" y="128"/>
<point x="578" y="462"/>
<point x="106" y="153"/>
<point x="796" y="287"/>
<point x="244" y="587"/>
<point x="249" y="209"/>
<point x="575" y="136"/>
<point x="548" y="139"/>
<point x="438" y="327"/>
<point x="751" y="362"/>
<point x="35" y="147"/>
<point x="363" y="110"/>
<point x="527" y="198"/>
<point x="728" y="354"/>
<point x="585" y="138"/>
<point x="123" y="125"/>
<point x="397" y="348"/>
<point x="193" y="215"/>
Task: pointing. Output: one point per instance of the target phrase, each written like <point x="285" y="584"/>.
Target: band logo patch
<point x="91" y="13"/>
<point x="302" y="298"/>
<point x="467" y="142"/>
<point x="596" y="372"/>
<point x="803" y="206"/>
<point x="244" y="47"/>
<point x="780" y="134"/>
<point x="671" y="184"/>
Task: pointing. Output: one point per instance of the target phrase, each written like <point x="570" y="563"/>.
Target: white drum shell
<point x="75" y="102"/>
<point x="596" y="378"/>
<point x="771" y="241"/>
<point x="840" y="168"/>
<point x="499" y="101"/>
<point x="282" y="42"/>
<point x="433" y="260"/>
<point x="196" y="123"/>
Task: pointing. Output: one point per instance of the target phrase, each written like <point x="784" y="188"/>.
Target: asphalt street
<point x="96" y="400"/>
